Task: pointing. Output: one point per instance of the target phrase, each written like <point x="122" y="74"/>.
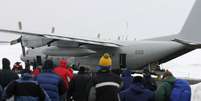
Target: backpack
<point x="181" y="91"/>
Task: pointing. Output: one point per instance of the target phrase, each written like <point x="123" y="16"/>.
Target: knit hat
<point x="105" y="60"/>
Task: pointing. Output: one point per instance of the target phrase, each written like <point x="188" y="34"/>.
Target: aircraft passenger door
<point x="122" y="60"/>
<point x="39" y="60"/>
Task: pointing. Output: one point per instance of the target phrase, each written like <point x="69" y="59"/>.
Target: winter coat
<point x="62" y="72"/>
<point x="70" y="73"/>
<point x="107" y="86"/>
<point x="137" y="92"/>
<point x="164" y="91"/>
<point x="25" y="89"/>
<point x="6" y="75"/>
<point x="127" y="79"/>
<point x="1" y="91"/>
<point x="149" y="83"/>
<point x="79" y="88"/>
<point x="36" y="72"/>
<point x="52" y="84"/>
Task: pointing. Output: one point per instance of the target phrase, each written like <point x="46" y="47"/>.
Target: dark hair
<point x="82" y="69"/>
<point x="137" y="79"/>
<point x="6" y="63"/>
<point x="48" y="64"/>
<point x="167" y="74"/>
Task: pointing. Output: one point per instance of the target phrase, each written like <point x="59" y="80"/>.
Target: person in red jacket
<point x="70" y="72"/>
<point x="36" y="70"/>
<point x="62" y="72"/>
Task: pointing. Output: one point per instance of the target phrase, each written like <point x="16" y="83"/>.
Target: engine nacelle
<point x="34" y="41"/>
<point x="70" y="51"/>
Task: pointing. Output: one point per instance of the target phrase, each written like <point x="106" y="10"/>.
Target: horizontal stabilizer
<point x="187" y="43"/>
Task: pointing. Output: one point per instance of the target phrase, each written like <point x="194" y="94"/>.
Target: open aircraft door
<point x="39" y="60"/>
<point x="122" y="61"/>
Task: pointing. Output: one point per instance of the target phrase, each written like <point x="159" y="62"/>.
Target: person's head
<point x="137" y="79"/>
<point x="63" y="63"/>
<point x="18" y="63"/>
<point x="167" y="74"/>
<point x="6" y="63"/>
<point x="105" y="62"/>
<point x="82" y="69"/>
<point x="27" y="65"/>
<point x="48" y="65"/>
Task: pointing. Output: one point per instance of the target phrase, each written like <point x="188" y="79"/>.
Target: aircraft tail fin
<point x="191" y="31"/>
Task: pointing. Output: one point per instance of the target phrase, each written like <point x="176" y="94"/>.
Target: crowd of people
<point x="52" y="82"/>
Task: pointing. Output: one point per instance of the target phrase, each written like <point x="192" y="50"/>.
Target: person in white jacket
<point x="195" y="92"/>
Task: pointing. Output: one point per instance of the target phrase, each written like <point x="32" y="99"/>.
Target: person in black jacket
<point x="79" y="89"/>
<point x="6" y="75"/>
<point x="148" y="81"/>
<point x="107" y="84"/>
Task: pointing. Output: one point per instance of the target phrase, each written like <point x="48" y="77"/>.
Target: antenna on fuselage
<point x="119" y="38"/>
<point x="98" y="35"/>
<point x="53" y="30"/>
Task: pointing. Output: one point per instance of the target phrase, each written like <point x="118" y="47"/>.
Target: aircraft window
<point x="139" y="52"/>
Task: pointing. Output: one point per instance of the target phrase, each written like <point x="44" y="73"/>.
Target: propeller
<point x="19" y="40"/>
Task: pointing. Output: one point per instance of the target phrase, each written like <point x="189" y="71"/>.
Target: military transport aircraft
<point x="133" y="54"/>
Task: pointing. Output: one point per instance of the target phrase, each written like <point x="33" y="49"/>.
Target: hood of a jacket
<point x="137" y="88"/>
<point x="170" y="79"/>
<point x="62" y="63"/>
<point x="126" y="73"/>
<point x="6" y="64"/>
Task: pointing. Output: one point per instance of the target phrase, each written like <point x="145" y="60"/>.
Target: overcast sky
<point x="138" y="19"/>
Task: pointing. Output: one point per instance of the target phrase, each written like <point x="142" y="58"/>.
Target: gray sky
<point x="145" y="18"/>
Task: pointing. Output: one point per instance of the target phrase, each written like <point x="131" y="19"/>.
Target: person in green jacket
<point x="164" y="91"/>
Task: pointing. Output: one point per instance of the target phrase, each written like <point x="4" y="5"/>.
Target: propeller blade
<point x="23" y="49"/>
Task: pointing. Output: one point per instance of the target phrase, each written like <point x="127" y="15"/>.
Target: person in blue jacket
<point x="127" y="79"/>
<point x="137" y="92"/>
<point x="25" y="89"/>
<point x="52" y="83"/>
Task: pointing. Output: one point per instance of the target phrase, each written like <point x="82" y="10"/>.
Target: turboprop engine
<point x="70" y="51"/>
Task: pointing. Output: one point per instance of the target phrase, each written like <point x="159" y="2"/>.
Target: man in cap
<point x="107" y="84"/>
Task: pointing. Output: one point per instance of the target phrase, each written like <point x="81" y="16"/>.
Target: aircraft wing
<point x="4" y="42"/>
<point x="65" y="38"/>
